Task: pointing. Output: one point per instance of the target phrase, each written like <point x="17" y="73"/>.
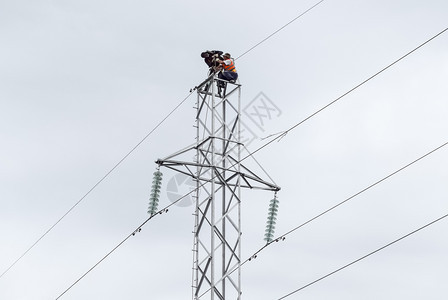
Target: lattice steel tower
<point x="219" y="176"/>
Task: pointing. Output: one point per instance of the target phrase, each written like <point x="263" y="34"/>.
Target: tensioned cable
<point x="282" y="237"/>
<point x="363" y="257"/>
<point x="278" y="30"/>
<point x="165" y="209"/>
<point x="132" y="150"/>
<point x="282" y="135"/>
<point x="138" y="229"/>
<point x="351" y="197"/>
<point x="94" y="186"/>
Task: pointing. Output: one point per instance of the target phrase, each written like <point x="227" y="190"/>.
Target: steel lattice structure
<point x="219" y="176"/>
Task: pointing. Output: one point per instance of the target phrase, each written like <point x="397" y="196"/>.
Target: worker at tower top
<point x="228" y="68"/>
<point x="210" y="58"/>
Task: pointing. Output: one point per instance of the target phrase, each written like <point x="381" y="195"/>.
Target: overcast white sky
<point x="82" y="82"/>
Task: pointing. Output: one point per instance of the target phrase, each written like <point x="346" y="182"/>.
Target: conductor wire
<point x="93" y="187"/>
<point x="284" y="133"/>
<point x="130" y="152"/>
<point x="282" y="237"/>
<point x="278" y="137"/>
<point x="275" y="32"/>
<point x="138" y="229"/>
<point x="363" y="257"/>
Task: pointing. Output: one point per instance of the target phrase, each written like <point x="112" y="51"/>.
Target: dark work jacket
<point x="209" y="60"/>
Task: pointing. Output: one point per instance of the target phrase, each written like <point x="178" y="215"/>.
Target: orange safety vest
<point x="230" y="67"/>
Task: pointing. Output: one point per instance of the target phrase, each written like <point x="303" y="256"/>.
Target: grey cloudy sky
<point x="82" y="82"/>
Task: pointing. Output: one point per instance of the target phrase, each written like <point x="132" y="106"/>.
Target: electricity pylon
<point x="219" y="176"/>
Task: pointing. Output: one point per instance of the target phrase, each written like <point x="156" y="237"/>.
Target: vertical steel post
<point x="217" y="230"/>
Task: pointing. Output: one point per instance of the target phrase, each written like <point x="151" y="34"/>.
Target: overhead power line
<point x="131" y="151"/>
<point x="283" y="236"/>
<point x="165" y="209"/>
<point x="279" y="137"/>
<point x="93" y="187"/>
<point x="278" y="30"/>
<point x="363" y="257"/>
<point x="138" y="229"/>
<point x="284" y="133"/>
